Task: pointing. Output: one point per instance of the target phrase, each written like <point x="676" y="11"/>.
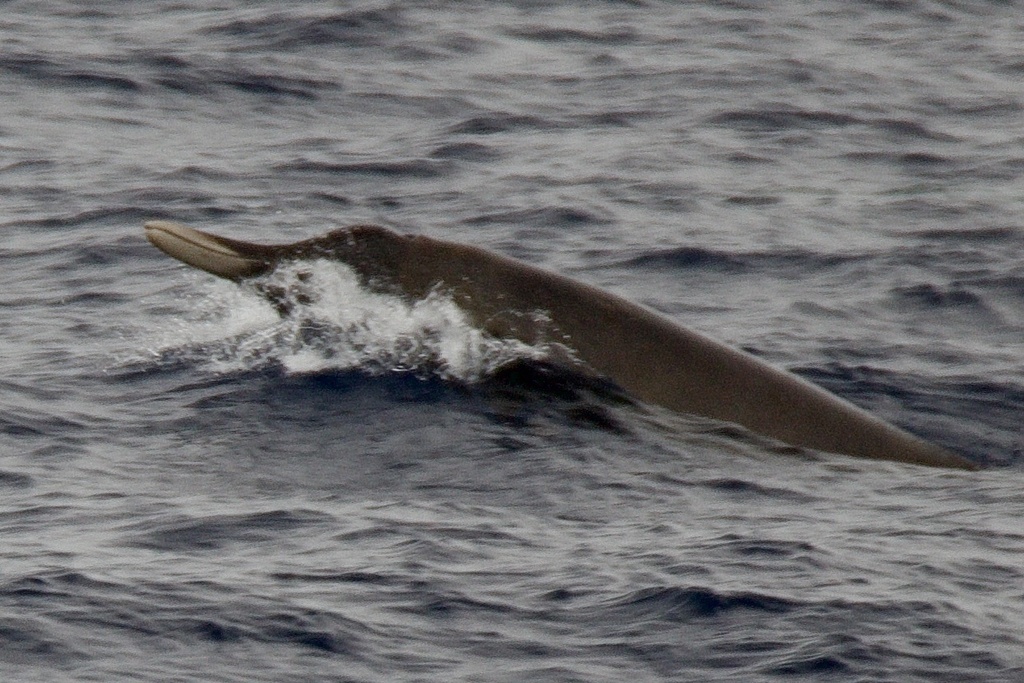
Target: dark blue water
<point x="195" y="489"/>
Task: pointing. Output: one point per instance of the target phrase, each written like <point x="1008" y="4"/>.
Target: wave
<point x="294" y="31"/>
<point x="212" y="532"/>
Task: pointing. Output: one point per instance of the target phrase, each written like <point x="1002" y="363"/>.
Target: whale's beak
<point x="227" y="258"/>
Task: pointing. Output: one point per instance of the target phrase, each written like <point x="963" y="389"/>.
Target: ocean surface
<point x="193" y="488"/>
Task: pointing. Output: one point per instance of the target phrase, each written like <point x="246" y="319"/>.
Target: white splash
<point x="335" y="324"/>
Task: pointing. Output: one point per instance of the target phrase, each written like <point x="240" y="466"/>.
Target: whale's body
<point x="646" y="354"/>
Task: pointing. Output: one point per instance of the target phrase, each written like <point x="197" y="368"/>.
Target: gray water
<point x="195" y="489"/>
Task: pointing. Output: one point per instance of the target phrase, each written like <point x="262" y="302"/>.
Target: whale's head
<point x="227" y="258"/>
<point x="372" y="251"/>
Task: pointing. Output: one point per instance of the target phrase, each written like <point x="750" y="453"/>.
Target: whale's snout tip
<point x="225" y="258"/>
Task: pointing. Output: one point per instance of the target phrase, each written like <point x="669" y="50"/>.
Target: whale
<point x="645" y="353"/>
